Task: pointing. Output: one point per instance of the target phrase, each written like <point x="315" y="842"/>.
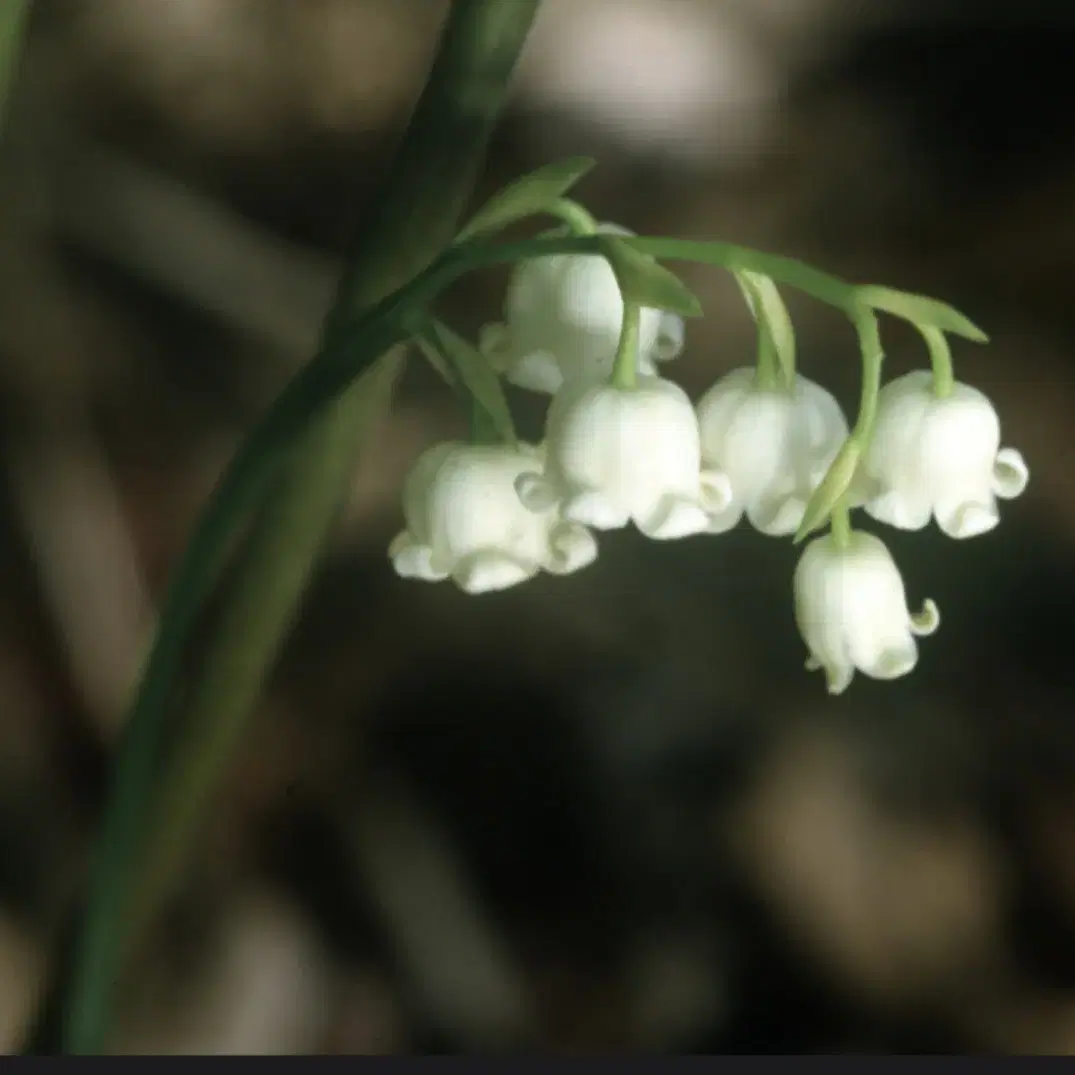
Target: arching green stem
<point x="840" y="523"/>
<point x="577" y="217"/>
<point x="940" y="357"/>
<point x="625" y="365"/>
<point x="869" y="334"/>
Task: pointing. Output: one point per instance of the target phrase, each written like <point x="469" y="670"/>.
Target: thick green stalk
<point x="414" y="217"/>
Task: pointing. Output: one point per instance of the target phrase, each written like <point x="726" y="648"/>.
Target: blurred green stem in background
<point x="414" y="217"/>
<point x="13" y="15"/>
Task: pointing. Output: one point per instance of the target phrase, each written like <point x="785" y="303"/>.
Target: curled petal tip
<point x="778" y="518"/>
<point x="675" y="517"/>
<point x="414" y="561"/>
<point x="894" y="663"/>
<point x="928" y="620"/>
<point x="837" y="680"/>
<point x="717" y="491"/>
<point x="670" y="338"/>
<point x="535" y="493"/>
<point x="1010" y="474"/>
<point x="571" y="548"/>
<point x="487" y="572"/>
<point x="593" y="508"/>
<point x="971" y="520"/>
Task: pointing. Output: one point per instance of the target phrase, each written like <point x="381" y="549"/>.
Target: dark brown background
<point x="607" y="812"/>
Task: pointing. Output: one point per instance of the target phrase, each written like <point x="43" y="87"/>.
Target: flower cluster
<point x="624" y="445"/>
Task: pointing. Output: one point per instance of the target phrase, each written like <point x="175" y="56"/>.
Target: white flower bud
<point x="938" y="457"/>
<point x="465" y="521"/>
<point x="615" y="456"/>
<point x="563" y="316"/>
<point x="851" y="610"/>
<point x="773" y="445"/>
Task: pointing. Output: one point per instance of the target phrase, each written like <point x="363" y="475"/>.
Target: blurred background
<point x="610" y="812"/>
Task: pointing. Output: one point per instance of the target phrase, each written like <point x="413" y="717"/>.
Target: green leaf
<point x="645" y="282"/>
<point x="478" y="377"/>
<point x="527" y="196"/>
<point x="833" y="486"/>
<point x="789" y="271"/>
<point x="774" y="322"/>
<point x="101" y="944"/>
<point x="920" y="311"/>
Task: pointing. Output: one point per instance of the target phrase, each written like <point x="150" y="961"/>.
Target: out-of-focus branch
<point x="77" y="534"/>
<point x="453" y="955"/>
<point x="190" y="245"/>
<point x="13" y="17"/>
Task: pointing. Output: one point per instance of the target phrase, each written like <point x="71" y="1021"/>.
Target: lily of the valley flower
<point x="465" y="522"/>
<point x="563" y="316"/>
<point x="615" y="456"/>
<point x="774" y="446"/>
<point x="938" y="457"/>
<point x="851" y="610"/>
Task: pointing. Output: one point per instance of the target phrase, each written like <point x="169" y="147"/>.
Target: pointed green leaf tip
<point x="920" y="311"/>
<point x="527" y="196"/>
<point x="644" y="282"/>
<point x="479" y="378"/>
<point x="833" y="486"/>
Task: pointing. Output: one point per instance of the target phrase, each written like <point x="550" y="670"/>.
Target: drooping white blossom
<point x="562" y="320"/>
<point x="616" y="456"/>
<point x="464" y="521"/>
<point x="851" y="610"/>
<point x="938" y="457"/>
<point x="773" y="444"/>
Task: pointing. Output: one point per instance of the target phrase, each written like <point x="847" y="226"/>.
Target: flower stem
<point x="940" y="357"/>
<point x="577" y="217"/>
<point x="767" y="368"/>
<point x="873" y="356"/>
<point x="625" y="364"/>
<point x="413" y="220"/>
<point x="840" y="524"/>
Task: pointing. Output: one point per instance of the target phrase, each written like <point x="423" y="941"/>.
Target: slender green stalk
<point x="13" y="18"/>
<point x="840" y="522"/>
<point x="766" y="365"/>
<point x="575" y="216"/>
<point x="412" y="220"/>
<point x="625" y="363"/>
<point x="940" y="357"/>
<point x="869" y="333"/>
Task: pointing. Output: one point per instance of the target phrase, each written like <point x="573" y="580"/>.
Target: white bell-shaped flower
<point x="563" y="315"/>
<point x="465" y="522"/>
<point x="851" y="610"/>
<point x="774" y="446"/>
<point x="938" y="457"/>
<point x="615" y="456"/>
